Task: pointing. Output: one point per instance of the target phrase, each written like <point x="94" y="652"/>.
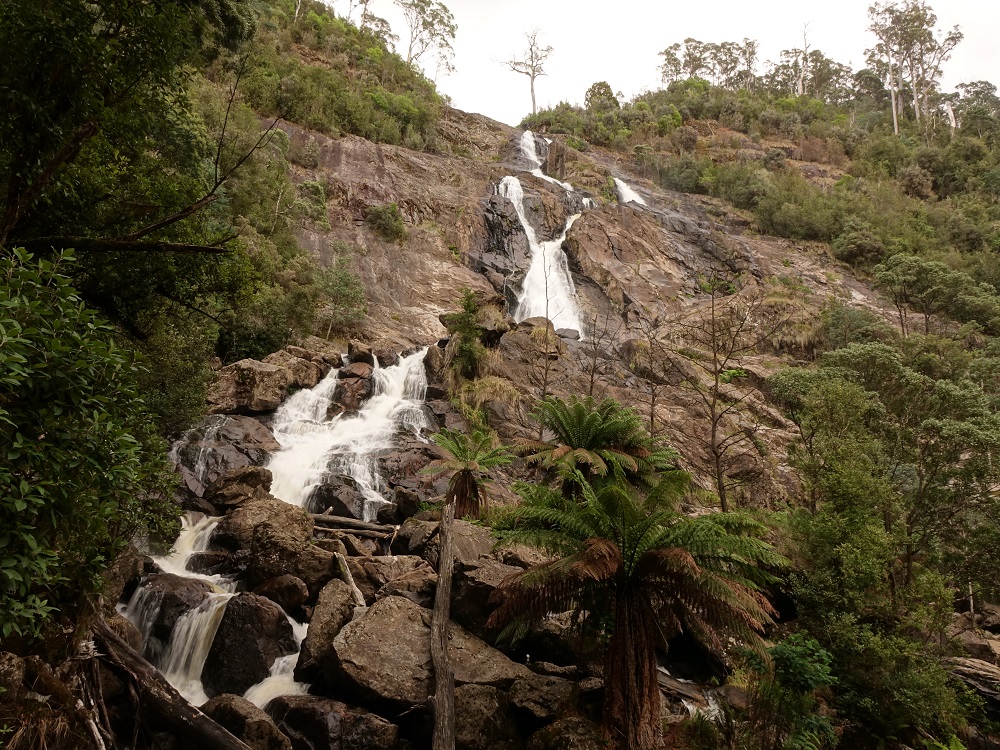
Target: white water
<point x="189" y="645"/>
<point x="530" y="152"/>
<point x="313" y="446"/>
<point x="626" y="194"/>
<point x="547" y="290"/>
<point x="281" y="680"/>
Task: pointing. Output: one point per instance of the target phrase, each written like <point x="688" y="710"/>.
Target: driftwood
<point x="160" y="698"/>
<point x="444" y="678"/>
<point x="354" y="532"/>
<point x="339" y="522"/>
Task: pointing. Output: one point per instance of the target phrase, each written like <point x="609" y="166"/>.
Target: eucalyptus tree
<point x="531" y="63"/>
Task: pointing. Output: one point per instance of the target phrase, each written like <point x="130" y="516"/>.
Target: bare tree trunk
<point x="892" y="96"/>
<point x="534" y="107"/>
<point x="444" y="678"/>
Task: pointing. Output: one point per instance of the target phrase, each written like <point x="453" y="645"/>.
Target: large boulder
<point x="160" y="601"/>
<point x="248" y="387"/>
<point x="354" y="386"/>
<point x="338" y="495"/>
<point x="218" y="445"/>
<point x="299" y="371"/>
<point x="474" y="583"/>
<point x="484" y="720"/>
<point x="236" y="486"/>
<point x="405" y="575"/>
<point x="253" y="633"/>
<point x="275" y="550"/>
<point x="246" y="722"/>
<point x="420" y="537"/>
<point x="571" y="733"/>
<point x="313" y="723"/>
<point x="402" y="465"/>
<point x="333" y="610"/>
<point x="287" y="591"/>
<point x="358" y="351"/>
<point x="540" y="699"/>
<point x="236" y="530"/>
<point x="395" y="672"/>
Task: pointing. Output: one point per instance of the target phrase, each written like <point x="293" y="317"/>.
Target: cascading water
<point x="626" y="194"/>
<point x="313" y="446"/>
<point x="530" y="153"/>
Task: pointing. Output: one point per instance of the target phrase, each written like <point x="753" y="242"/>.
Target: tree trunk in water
<point x="444" y="679"/>
<point x="631" y="691"/>
<point x="158" y="696"/>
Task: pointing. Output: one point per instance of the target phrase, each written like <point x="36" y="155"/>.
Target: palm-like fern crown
<point x="599" y="438"/>
<point x="468" y="458"/>
<point x="697" y="574"/>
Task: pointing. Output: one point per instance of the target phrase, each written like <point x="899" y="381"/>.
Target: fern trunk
<point x="631" y="690"/>
<point x="444" y="678"/>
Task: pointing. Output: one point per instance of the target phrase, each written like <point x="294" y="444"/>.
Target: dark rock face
<point x="540" y="699"/>
<point x="404" y="575"/>
<point x="248" y="387"/>
<point x="474" y="583"/>
<point x="484" y="720"/>
<point x="395" y="672"/>
<point x="313" y="723"/>
<point x="571" y="733"/>
<point x="401" y="466"/>
<point x="235" y="486"/>
<point x="165" y="597"/>
<point x="506" y="249"/>
<point x="333" y="610"/>
<point x="358" y="351"/>
<point x="338" y="495"/>
<point x="211" y="563"/>
<point x="354" y="386"/>
<point x="416" y="537"/>
<point x="218" y="445"/>
<point x="246" y="722"/>
<point x="252" y="634"/>
<point x="287" y="591"/>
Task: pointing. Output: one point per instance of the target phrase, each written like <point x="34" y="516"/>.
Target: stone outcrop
<point x="287" y="591"/>
<point x="246" y="722"/>
<point x="338" y="495"/>
<point x="253" y="633"/>
<point x="473" y="584"/>
<point x="396" y="673"/>
<point x="299" y="371"/>
<point x="402" y="575"/>
<point x="484" y="720"/>
<point x="571" y="733"/>
<point x="248" y="387"/>
<point x="333" y="610"/>
<point x="313" y="723"/>
<point x="420" y="537"/>
<point x="218" y="445"/>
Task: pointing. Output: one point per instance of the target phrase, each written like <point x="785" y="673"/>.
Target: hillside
<point x="336" y="417"/>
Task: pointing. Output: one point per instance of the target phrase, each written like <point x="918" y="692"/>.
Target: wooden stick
<point x="349" y="523"/>
<point x="444" y="677"/>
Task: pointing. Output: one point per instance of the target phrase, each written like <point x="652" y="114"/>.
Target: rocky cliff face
<point x="636" y="268"/>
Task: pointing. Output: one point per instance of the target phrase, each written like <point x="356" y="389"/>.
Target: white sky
<point x="618" y="42"/>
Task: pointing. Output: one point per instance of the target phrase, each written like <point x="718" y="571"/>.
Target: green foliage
<point x="468" y="352"/>
<point x="469" y="459"/>
<point x="81" y="471"/>
<point x="343" y="301"/>
<point x="595" y="440"/>
<point x="386" y="221"/>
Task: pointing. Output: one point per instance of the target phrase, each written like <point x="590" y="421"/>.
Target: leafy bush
<point x="81" y="471"/>
<point x="386" y="221"/>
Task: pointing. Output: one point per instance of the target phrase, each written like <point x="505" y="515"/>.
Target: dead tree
<point x="531" y="63"/>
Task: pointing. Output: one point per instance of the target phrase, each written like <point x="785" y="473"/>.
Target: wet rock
<point x="571" y="733"/>
<point x="164" y="598"/>
<point x="287" y="591"/>
<point x="218" y="445"/>
<point x="353" y="389"/>
<point x="401" y="465"/>
<point x="405" y="504"/>
<point x="313" y="723"/>
<point x="253" y="633"/>
<point x="416" y="537"/>
<point x="237" y="485"/>
<point x="211" y="563"/>
<point x="434" y="363"/>
<point x="410" y="573"/>
<point x="338" y="495"/>
<point x="125" y="630"/>
<point x="247" y="387"/>
<point x="484" y="720"/>
<point x="540" y="699"/>
<point x="396" y="672"/>
<point x="275" y="550"/>
<point x="236" y="529"/>
<point x="473" y="584"/>
<point x="246" y="722"/>
<point x="333" y="610"/>
<point x="299" y="372"/>
<point x="358" y="351"/>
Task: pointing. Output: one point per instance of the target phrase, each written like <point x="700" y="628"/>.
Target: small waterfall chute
<point x="626" y="194"/>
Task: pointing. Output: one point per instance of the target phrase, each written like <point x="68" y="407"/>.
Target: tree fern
<point x="469" y="459"/>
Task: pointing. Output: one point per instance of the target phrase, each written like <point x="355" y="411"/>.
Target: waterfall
<point x="189" y="645"/>
<point x="281" y="680"/>
<point x="313" y="446"/>
<point x="626" y="194"/>
<point x="530" y="153"/>
<point x="547" y="290"/>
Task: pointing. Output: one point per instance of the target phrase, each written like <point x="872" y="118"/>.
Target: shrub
<point x="386" y="221"/>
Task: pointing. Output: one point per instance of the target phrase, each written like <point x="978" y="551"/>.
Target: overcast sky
<point x="618" y="42"/>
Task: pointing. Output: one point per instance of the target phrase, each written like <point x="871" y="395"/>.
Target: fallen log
<point x="341" y="522"/>
<point x="354" y="532"/>
<point x="161" y="699"/>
